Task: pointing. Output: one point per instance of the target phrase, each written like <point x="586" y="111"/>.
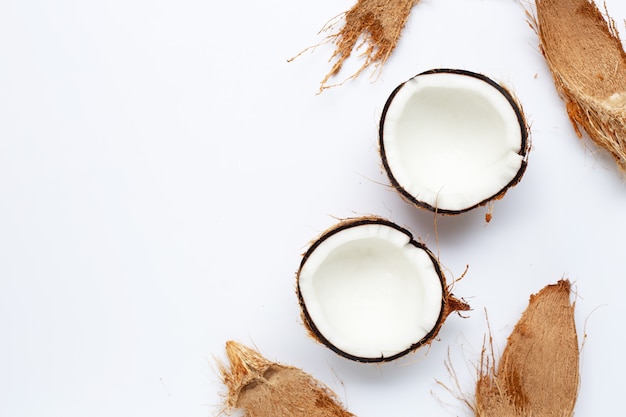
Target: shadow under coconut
<point x="425" y="362"/>
<point x="433" y="228"/>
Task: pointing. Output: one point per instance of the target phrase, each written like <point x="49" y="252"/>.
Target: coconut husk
<point x="262" y="388"/>
<point x="538" y="373"/>
<point x="375" y="25"/>
<point x="585" y="55"/>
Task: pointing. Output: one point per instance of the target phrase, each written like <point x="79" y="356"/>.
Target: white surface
<point x="370" y="291"/>
<point x="162" y="168"/>
<point x="452" y="141"/>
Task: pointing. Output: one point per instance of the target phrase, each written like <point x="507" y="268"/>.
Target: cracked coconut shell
<point x="538" y="373"/>
<point x="588" y="64"/>
<point x="371" y="293"/>
<point x="261" y="388"/>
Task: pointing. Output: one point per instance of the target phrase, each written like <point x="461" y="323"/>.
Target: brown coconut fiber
<point x="375" y="25"/>
<point x="262" y="388"/>
<point x="538" y="373"/>
<point x="588" y="64"/>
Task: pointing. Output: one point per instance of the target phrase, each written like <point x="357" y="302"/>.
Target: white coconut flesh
<point x="452" y="140"/>
<point x="371" y="292"/>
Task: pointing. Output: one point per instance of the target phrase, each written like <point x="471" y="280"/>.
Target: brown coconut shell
<point x="538" y="373"/>
<point x="585" y="55"/>
<point x="262" y="388"/>
<point x="525" y="144"/>
<point x="449" y="303"/>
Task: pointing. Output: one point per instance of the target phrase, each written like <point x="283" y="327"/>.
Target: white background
<point x="163" y="167"/>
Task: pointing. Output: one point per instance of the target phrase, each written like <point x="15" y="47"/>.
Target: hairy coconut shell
<point x="262" y="388"/>
<point x="538" y="373"/>
<point x="525" y="143"/>
<point x="588" y="64"/>
<point x="449" y="303"/>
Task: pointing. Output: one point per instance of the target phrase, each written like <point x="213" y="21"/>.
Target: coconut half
<point x="452" y="140"/>
<point x="370" y="292"/>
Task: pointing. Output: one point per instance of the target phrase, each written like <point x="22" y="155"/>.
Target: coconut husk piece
<point x="262" y="388"/>
<point x="375" y="25"/>
<point x="588" y="64"/>
<point x="538" y="373"/>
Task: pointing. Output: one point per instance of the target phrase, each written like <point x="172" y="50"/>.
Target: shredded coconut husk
<point x="375" y="25"/>
<point x="588" y="64"/>
<point x="262" y="388"/>
<point x="538" y="373"/>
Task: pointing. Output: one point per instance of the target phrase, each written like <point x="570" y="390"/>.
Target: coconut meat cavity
<point x="451" y="140"/>
<point x="371" y="292"/>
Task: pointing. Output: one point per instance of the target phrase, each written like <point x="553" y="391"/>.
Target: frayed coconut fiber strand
<point x="538" y="373"/>
<point x="262" y="388"/>
<point x="375" y="25"/>
<point x="588" y="64"/>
